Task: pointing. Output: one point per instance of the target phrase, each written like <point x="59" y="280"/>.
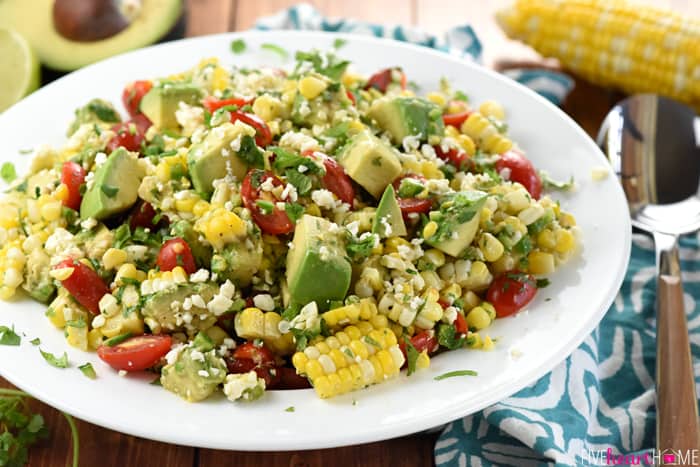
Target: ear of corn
<point x="637" y="48"/>
<point x="357" y="356"/>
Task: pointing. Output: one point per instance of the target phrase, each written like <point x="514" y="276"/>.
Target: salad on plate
<point x="253" y="229"/>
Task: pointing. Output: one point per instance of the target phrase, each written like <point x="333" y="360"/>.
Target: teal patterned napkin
<point x="599" y="403"/>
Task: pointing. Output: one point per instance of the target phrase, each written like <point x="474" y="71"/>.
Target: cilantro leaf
<point x="88" y="370"/>
<point x="289" y="409"/>
<point x="452" y="374"/>
<point x="542" y="283"/>
<point x="282" y="52"/>
<point x="238" y="46"/>
<point x="548" y="183"/>
<point x="294" y="211"/>
<point x="8" y="172"/>
<point x="447" y="337"/>
<point x="9" y="336"/>
<point x="361" y="247"/>
<point x="411" y="357"/>
<point x="325" y="63"/>
<point x="52" y="360"/>
<point x="35" y="341"/>
<point x="338" y="43"/>
<point x="300" y="181"/>
<point x="288" y="160"/>
<point x="104" y="112"/>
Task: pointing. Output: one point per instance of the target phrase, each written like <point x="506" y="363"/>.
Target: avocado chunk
<point x="186" y="375"/>
<point x="238" y="262"/>
<point x="370" y="162"/>
<point x="160" y="103"/>
<point x="388" y="220"/>
<point x="185" y="230"/>
<point x="159" y="315"/>
<point x="317" y="268"/>
<point x="95" y="111"/>
<point x="458" y="220"/>
<point x="407" y="116"/>
<point x="217" y="155"/>
<point x="115" y="186"/>
<point x="152" y="21"/>
<point x="38" y="284"/>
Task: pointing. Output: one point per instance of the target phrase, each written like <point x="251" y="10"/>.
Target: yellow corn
<point x="539" y="262"/>
<point x="616" y="43"/>
<point x="253" y="323"/>
<point x="565" y="241"/>
<point x="119" y="324"/>
<point x="436" y="98"/>
<point x="200" y="208"/>
<point x="125" y="271"/>
<point x="430" y="229"/>
<point x="113" y="258"/>
<point x="311" y="87"/>
<point x="478" y="318"/>
<point x="221" y="227"/>
<point x="491" y="247"/>
<point x="370" y="356"/>
<point x="267" y="107"/>
<point x="492" y="109"/>
<point x="481" y="130"/>
<point x="545" y="239"/>
<point x="12" y="261"/>
<point x="431" y="311"/>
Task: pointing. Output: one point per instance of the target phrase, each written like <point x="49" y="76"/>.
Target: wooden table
<point x="587" y="105"/>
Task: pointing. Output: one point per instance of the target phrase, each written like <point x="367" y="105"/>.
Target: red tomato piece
<point x="521" y="171"/>
<point x="136" y="353"/>
<point x="382" y="79"/>
<point x="84" y="284"/>
<point x="142" y="216"/>
<point x="275" y="222"/>
<point x="351" y="96"/>
<point x="510" y="292"/>
<point x="212" y="104"/>
<point x="424" y="340"/>
<point x="410" y="205"/>
<point x="73" y="176"/>
<point x="128" y="135"/>
<point x="456" y="119"/>
<point x="263" y="135"/>
<point x="260" y="359"/>
<point x="336" y="179"/>
<point x="132" y="95"/>
<point x="289" y="379"/>
<point x="460" y="324"/>
<point x="176" y="252"/>
<point x="454" y="156"/>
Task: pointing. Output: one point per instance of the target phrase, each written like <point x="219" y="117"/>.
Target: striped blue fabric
<point x="599" y="403"/>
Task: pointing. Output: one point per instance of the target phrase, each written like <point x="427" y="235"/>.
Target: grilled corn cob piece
<point x="253" y="323"/>
<point x="637" y="48"/>
<point x="353" y="358"/>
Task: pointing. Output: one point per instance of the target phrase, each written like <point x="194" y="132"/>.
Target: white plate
<point x="560" y="318"/>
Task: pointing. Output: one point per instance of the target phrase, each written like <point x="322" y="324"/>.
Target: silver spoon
<point x="653" y="144"/>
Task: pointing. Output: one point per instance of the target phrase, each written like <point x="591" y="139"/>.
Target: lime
<point x="19" y="68"/>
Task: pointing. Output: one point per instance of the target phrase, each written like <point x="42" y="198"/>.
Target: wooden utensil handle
<point x="677" y="426"/>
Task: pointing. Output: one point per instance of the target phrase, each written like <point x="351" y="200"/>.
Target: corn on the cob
<point x="353" y="358"/>
<point x="617" y="43"/>
<point x="253" y="323"/>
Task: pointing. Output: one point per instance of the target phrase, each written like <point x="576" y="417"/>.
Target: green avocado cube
<point x="217" y="155"/>
<point x="115" y="186"/>
<point x="194" y="375"/>
<point x="388" y="220"/>
<point x="317" y="267"/>
<point x="407" y="116"/>
<point x="371" y="163"/>
<point x="458" y="221"/>
<point x="160" y="103"/>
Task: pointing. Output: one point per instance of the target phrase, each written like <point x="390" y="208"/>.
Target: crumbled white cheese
<point x="200" y="276"/>
<point x="264" y="302"/>
<point x="600" y="173"/>
<point x="219" y="305"/>
<point x="204" y="373"/>
<point x="298" y="141"/>
<point x="237" y="386"/>
<point x="323" y="198"/>
<point x="198" y="301"/>
<point x="227" y="289"/>
<point x="196" y="355"/>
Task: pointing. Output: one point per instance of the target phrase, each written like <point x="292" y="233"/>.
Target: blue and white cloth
<point x="600" y="402"/>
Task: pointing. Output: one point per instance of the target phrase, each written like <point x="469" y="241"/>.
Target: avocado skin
<point x="407" y="116"/>
<point x="121" y="172"/>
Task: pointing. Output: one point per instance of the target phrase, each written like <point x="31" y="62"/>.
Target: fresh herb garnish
<point x="412" y="355"/>
<point x="447" y="337"/>
<point x="542" y="283"/>
<point x="52" y="360"/>
<point x="325" y="63"/>
<point x="460" y="96"/>
<point x="116" y="340"/>
<point x="8" y="172"/>
<point x="274" y="48"/>
<point x="361" y="247"/>
<point x="289" y="409"/>
<point x="294" y="211"/>
<point x="548" y="183"/>
<point x="9" y="336"/>
<point x="19" y="428"/>
<point x="103" y="112"/>
<point x="250" y="153"/>
<point x="88" y="370"/>
<point x="452" y="374"/>
<point x="266" y="207"/>
<point x="238" y="46"/>
<point x="35" y="341"/>
<point x="338" y="43"/>
<point x="300" y="181"/>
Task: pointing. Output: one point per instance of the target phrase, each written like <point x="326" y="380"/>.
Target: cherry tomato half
<point x="136" y="353"/>
<point x="127" y="135"/>
<point x="457" y="118"/>
<point x="454" y="156"/>
<point x="275" y="222"/>
<point x="521" y="171"/>
<point x="460" y="324"/>
<point x="263" y="135"/>
<point x="73" y="176"/>
<point x="84" y="284"/>
<point x="176" y="252"/>
<point x="142" y="216"/>
<point x="289" y="379"/>
<point x="336" y="179"/>
<point x="260" y="359"/>
<point x="132" y="95"/>
<point x="411" y="205"/>
<point x="212" y="104"/>
<point x="424" y="340"/>
<point x="351" y="96"/>
<point x="382" y="79"/>
<point x="510" y="292"/>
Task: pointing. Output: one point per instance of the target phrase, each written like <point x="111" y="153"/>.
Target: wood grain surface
<point x="587" y="105"/>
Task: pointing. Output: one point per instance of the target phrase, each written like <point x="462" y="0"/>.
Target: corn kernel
<point x="125" y="271"/>
<point x="545" y="239"/>
<point x="61" y="193"/>
<point x="491" y="247"/>
<point x="467" y="144"/>
<point x="436" y="98"/>
<point x="492" y="109"/>
<point x="423" y="360"/>
<point x="565" y="241"/>
<point x="200" y="208"/>
<point x="430" y="229"/>
<point x="478" y="318"/>
<point x="539" y="262"/>
<point x="267" y="107"/>
<point x="311" y="87"/>
<point x="113" y="258"/>
<point x="488" y="343"/>
<point x="51" y="211"/>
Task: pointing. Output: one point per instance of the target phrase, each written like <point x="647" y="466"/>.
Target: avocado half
<point x="36" y="24"/>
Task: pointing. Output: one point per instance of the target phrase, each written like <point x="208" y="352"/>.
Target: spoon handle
<point x="677" y="424"/>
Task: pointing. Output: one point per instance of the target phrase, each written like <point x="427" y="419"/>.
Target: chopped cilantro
<point x="371" y="341"/>
<point x="110" y="191"/>
<point x="35" y="341"/>
<point x="294" y="211"/>
<point x="26" y="151"/>
<point x="76" y="323"/>
<point x="291" y="312"/>
<point x="542" y="283"/>
<point x="52" y="360"/>
<point x="359" y="248"/>
<point x="88" y="370"/>
<point x="250" y="153"/>
<point x="288" y="160"/>
<point x="451" y="374"/>
<point x="104" y="112"/>
<point x="548" y="183"/>
<point x="9" y="336"/>
<point x="238" y="46"/>
<point x="8" y="172"/>
<point x="460" y="96"/>
<point x="20" y="428"/>
<point x="411" y="356"/>
<point x="116" y="340"/>
<point x="281" y="51"/>
<point x="338" y="43"/>
<point x="300" y="181"/>
<point x="325" y="63"/>
<point x="447" y="337"/>
<point x="266" y="207"/>
<point x="289" y="409"/>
